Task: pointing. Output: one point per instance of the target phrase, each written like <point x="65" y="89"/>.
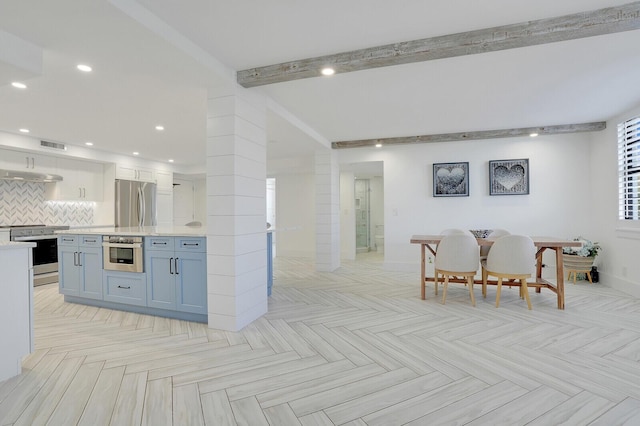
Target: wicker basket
<point x="577" y="263"/>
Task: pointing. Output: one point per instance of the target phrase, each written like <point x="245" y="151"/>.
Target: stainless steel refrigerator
<point x="135" y="203"/>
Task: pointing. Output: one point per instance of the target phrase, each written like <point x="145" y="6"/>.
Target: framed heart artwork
<point x="451" y="179"/>
<point x="509" y="177"/>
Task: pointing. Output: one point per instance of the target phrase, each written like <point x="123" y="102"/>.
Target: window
<point x="629" y="169"/>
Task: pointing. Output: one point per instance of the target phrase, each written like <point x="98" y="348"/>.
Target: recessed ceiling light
<point x="19" y="85"/>
<point x="136" y="153"/>
<point x="533" y="135"/>
<point x="24" y="130"/>
<point x="88" y="143"/>
<point x="328" y="71"/>
<point x="84" y="68"/>
<point x="159" y="127"/>
<point x="171" y="160"/>
<point x="378" y="145"/>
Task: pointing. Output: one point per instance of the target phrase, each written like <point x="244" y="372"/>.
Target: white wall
<point x="559" y="196"/>
<point x="618" y="261"/>
<point x="347" y="216"/>
<point x="295" y="212"/>
<point x="200" y="200"/>
<point x="376" y="205"/>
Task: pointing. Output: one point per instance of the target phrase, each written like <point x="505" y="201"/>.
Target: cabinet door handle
<point x="84" y="192"/>
<point x="79" y="192"/>
<point x="27" y="158"/>
<point x="75" y="258"/>
<point x="79" y="258"/>
<point x="176" y="263"/>
<point x="90" y="241"/>
<point x="191" y="244"/>
<point x="162" y="243"/>
<point x="33" y="163"/>
<point x="170" y="262"/>
<point x="126" y="288"/>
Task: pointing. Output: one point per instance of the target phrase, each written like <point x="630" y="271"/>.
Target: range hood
<point x="28" y="176"/>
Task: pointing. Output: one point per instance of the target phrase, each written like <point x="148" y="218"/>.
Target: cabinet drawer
<point x="159" y="243"/>
<point x="123" y="287"/>
<point x="91" y="240"/>
<point x="68" y="240"/>
<point x="191" y="244"/>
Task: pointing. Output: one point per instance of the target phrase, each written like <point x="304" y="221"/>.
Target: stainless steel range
<point x="45" y="253"/>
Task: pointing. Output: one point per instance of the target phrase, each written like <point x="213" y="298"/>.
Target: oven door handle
<point x="122" y="245"/>
<point x="36" y="238"/>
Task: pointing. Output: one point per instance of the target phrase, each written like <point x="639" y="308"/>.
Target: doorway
<point x="362" y="209"/>
<point x="363" y="213"/>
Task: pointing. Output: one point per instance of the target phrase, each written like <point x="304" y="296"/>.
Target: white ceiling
<point x="140" y="79"/>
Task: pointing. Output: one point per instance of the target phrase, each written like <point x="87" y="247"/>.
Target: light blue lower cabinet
<point x="80" y="266"/>
<point x="125" y="287"/>
<point x="91" y="272"/>
<point x="191" y="282"/>
<point x="161" y="282"/>
<point x="68" y="275"/>
<point x="177" y="279"/>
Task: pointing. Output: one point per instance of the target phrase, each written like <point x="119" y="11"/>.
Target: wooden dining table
<point x="429" y="242"/>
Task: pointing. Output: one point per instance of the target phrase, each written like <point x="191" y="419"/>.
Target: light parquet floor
<point x="354" y="347"/>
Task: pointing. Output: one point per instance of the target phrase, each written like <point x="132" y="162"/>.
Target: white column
<point x="236" y="208"/>
<point x="327" y="211"/>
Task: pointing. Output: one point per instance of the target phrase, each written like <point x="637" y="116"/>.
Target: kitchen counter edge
<point x="143" y="231"/>
<point x="11" y="245"/>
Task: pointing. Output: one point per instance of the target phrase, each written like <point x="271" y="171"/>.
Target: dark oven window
<point x="46" y="251"/>
<point x="121" y="255"/>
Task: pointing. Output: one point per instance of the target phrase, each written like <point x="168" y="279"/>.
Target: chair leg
<point x="470" y="281"/>
<point x="436" y="274"/>
<point x="444" y="289"/>
<point x="498" y="291"/>
<point x="484" y="283"/>
<point x="525" y="290"/>
<point x="589" y="276"/>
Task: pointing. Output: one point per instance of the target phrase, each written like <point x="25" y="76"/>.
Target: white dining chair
<point x="457" y="256"/>
<point x="511" y="257"/>
<point x="450" y="231"/>
<point x="496" y="233"/>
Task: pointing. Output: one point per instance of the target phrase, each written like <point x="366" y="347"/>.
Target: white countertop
<point x="144" y="231"/>
<point x="12" y="245"/>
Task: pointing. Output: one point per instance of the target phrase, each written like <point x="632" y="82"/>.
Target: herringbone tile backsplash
<point x="24" y="203"/>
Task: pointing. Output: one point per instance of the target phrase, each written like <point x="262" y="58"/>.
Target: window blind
<point x="629" y="169"/>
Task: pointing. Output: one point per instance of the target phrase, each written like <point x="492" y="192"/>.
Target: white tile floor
<point x="355" y="347"/>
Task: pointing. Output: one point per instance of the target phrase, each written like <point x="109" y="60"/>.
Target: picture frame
<point x="451" y="179"/>
<point x="509" y="177"/>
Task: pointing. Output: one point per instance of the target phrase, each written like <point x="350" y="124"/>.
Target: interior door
<point x="182" y="202"/>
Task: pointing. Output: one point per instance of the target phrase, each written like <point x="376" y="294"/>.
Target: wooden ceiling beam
<point x="482" y="134"/>
<point x="568" y="27"/>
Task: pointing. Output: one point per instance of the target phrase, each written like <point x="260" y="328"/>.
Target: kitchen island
<point x="16" y="306"/>
<point x="154" y="270"/>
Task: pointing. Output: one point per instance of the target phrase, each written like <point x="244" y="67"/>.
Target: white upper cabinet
<point x="82" y="181"/>
<point x="27" y="162"/>
<point x="164" y="179"/>
<point x="134" y="173"/>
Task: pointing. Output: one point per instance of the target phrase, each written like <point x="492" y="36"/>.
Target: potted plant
<point x="580" y="259"/>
